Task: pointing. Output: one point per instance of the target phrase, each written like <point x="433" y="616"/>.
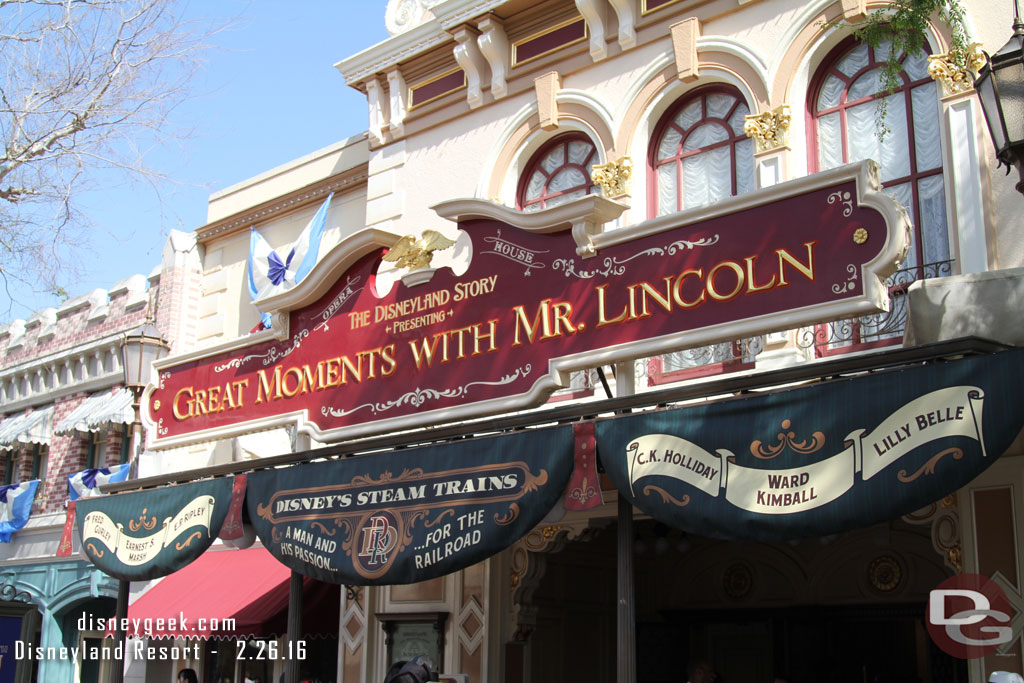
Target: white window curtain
<point x="566" y="165"/>
<point x="695" y="159"/>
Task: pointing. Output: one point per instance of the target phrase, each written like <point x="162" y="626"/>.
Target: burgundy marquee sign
<point x="543" y="294"/>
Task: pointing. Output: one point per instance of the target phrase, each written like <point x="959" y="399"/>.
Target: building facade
<point x="667" y="108"/>
<point x="65" y="412"/>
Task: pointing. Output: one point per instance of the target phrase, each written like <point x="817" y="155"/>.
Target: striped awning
<point x="97" y="411"/>
<point x="35" y="426"/>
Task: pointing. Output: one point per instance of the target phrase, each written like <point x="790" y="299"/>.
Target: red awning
<point x="248" y="586"/>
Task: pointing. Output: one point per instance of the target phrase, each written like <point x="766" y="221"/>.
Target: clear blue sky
<point x="269" y="93"/>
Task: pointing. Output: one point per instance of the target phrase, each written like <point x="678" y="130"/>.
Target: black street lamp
<point x="1000" y="86"/>
<point x="138" y="351"/>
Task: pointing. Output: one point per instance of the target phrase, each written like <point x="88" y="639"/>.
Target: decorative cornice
<point x="956" y="79"/>
<point x="50" y="366"/>
<point x="770" y="129"/>
<point x="311" y="194"/>
<point x="426" y="36"/>
<point x="55" y="358"/>
<point x="403" y="15"/>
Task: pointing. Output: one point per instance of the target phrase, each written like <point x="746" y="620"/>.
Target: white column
<point x="968" y="215"/>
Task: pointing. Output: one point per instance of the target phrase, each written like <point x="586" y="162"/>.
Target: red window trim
<point x="570" y="396"/>
<point x="656" y="375"/>
<point x="666" y="121"/>
<point x="534" y="164"/>
<point x="827" y="68"/>
<point x="854" y="346"/>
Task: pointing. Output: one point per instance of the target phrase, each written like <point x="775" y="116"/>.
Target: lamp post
<point x="138" y="351"/>
<point x="1000" y="87"/>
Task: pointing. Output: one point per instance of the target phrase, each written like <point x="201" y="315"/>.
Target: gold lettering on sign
<point x="724" y="281"/>
<point x="530" y="323"/>
<point x="551" y="321"/>
<point x="192" y="402"/>
<point x="331" y="372"/>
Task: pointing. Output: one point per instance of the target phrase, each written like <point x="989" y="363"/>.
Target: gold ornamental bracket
<point x="770" y="129"/>
<point x="613" y="177"/>
<point x="955" y="74"/>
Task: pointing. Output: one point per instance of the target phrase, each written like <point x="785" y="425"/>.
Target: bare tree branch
<point x="84" y="85"/>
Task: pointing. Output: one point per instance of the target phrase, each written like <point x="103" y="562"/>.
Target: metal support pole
<point x="625" y="385"/>
<point x="136" y="445"/>
<point x="123" y="587"/>
<point x="291" y="665"/>
<point x="121" y="615"/>
<point x="626" y="662"/>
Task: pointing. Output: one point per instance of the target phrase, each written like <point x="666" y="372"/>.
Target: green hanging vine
<point x="905" y="24"/>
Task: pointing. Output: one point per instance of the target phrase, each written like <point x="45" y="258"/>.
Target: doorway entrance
<point x="843" y="609"/>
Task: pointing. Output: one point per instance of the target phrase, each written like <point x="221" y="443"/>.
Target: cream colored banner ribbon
<point x="134" y="551"/>
<point x="954" y="411"/>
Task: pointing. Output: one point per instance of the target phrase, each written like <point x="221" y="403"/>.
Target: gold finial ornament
<point x="416" y="254"/>
<point x="770" y="129"/>
<point x="956" y="79"/>
<point x="860" y="236"/>
<point x="613" y="177"/>
<point x="956" y="557"/>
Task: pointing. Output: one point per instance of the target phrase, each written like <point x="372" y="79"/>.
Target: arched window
<point x="699" y="153"/>
<point x="843" y="105"/>
<point x="557" y="173"/>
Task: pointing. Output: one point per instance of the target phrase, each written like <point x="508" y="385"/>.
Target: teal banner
<point x="821" y="459"/>
<point x="410" y="515"/>
<point x="147" y="534"/>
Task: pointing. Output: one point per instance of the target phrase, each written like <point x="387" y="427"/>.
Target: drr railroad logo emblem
<point x="379" y="538"/>
<point x="969" y="616"/>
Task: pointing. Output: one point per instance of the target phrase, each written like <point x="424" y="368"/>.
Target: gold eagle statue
<point x="416" y="254"/>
